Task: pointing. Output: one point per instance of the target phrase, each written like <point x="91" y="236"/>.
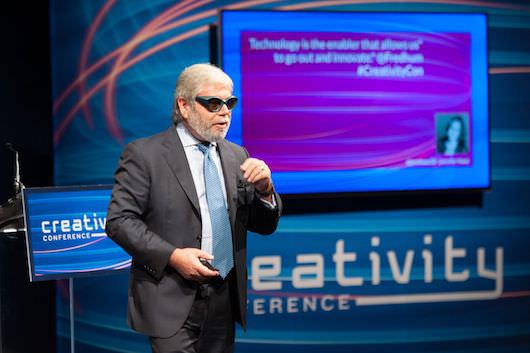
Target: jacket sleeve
<point x="263" y="218"/>
<point x="126" y="213"/>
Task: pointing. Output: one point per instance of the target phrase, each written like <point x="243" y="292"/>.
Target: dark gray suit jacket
<point x="154" y="209"/>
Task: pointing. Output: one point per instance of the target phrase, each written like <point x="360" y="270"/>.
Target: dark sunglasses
<point x="214" y="104"/>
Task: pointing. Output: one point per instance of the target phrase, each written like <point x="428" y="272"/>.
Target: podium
<point x="27" y="310"/>
<point x="48" y="234"/>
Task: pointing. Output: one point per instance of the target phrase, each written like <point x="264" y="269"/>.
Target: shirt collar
<point x="187" y="138"/>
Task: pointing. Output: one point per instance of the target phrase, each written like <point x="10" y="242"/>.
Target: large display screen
<point x="361" y="102"/>
<point x="65" y="233"/>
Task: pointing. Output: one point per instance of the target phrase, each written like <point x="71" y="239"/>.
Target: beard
<point x="205" y="129"/>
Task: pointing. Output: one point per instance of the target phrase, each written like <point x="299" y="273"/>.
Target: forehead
<point x="216" y="89"/>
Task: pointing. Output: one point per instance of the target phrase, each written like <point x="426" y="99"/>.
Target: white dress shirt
<point x="196" y="162"/>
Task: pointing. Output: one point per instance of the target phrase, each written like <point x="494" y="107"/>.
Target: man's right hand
<point x="187" y="262"/>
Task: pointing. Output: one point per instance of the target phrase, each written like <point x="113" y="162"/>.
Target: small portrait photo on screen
<point x="452" y="133"/>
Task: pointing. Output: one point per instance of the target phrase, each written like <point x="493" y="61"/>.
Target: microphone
<point x="17" y="184"/>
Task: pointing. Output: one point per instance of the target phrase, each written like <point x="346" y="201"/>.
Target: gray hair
<point x="192" y="80"/>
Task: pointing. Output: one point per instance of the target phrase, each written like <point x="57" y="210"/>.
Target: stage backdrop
<point x="442" y="279"/>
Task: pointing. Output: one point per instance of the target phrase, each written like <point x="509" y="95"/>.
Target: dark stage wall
<point x="27" y="310"/>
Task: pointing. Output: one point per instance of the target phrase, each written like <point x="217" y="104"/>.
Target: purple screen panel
<point x="316" y="101"/>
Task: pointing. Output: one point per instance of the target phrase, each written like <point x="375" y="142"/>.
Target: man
<point x="181" y="207"/>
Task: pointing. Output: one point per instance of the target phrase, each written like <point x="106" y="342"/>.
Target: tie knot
<point x="204" y="147"/>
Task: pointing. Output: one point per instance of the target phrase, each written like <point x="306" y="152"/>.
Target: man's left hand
<point x="258" y="173"/>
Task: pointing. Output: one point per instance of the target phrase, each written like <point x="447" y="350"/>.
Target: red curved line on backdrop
<point x="103" y="60"/>
<point x="245" y="4"/>
<point x="84" y="99"/>
<point x="86" y="50"/>
<point x="64" y="123"/>
<point x="314" y="4"/>
<point x="145" y="33"/>
<point x="516" y="294"/>
<point x="509" y="70"/>
<point x="83" y="75"/>
<point x="169" y="14"/>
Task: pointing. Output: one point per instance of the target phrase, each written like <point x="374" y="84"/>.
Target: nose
<point x="224" y="110"/>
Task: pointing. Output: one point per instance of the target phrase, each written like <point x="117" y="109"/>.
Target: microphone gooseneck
<point x="17" y="184"/>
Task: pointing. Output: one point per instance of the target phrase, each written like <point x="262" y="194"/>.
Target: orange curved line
<point x="142" y="35"/>
<point x="516" y="294"/>
<point x="83" y="75"/>
<point x="85" y="51"/>
<point x="70" y="115"/>
<point x="111" y="123"/>
<point x="314" y="4"/>
<point x="115" y="72"/>
<point x="245" y="4"/>
<point x="167" y="15"/>
<point x="509" y="70"/>
<point x="110" y="109"/>
<point x="170" y="13"/>
<point x="179" y="23"/>
<point x="99" y="63"/>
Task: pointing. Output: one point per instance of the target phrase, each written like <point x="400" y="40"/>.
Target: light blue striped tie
<point x="221" y="231"/>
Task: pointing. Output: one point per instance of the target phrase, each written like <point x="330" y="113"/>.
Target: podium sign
<point x="65" y="233"/>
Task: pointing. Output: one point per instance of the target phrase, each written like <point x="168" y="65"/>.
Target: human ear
<point x="184" y="107"/>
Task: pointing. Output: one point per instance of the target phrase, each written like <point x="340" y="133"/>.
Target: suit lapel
<point x="230" y="168"/>
<point x="176" y="158"/>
